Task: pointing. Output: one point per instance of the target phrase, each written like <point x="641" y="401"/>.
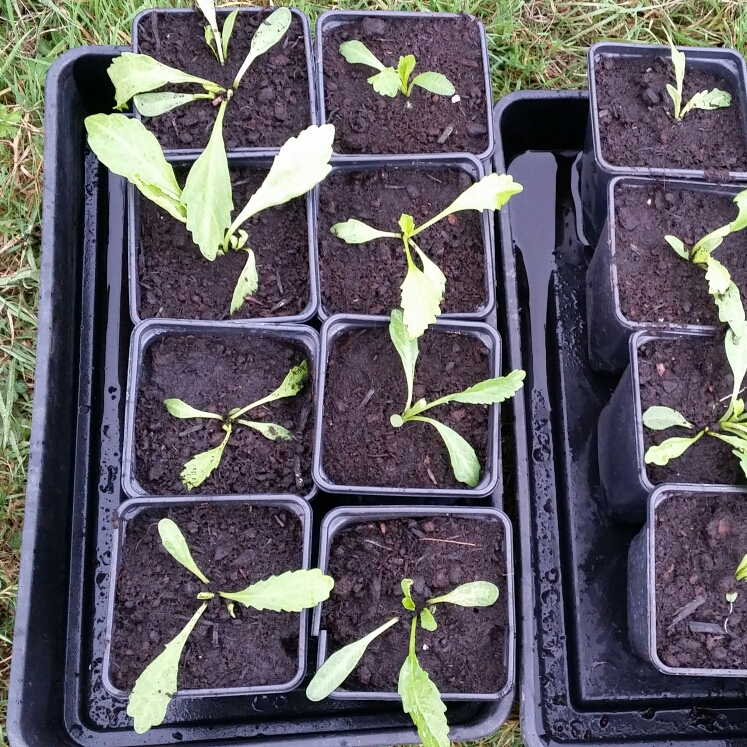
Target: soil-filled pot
<point x="369" y="551"/>
<point x="235" y="542"/>
<point x="216" y="368"/>
<point x="366" y="278"/>
<point x="171" y="279"/>
<point x="687" y="373"/>
<point x="369" y="123"/>
<point x="361" y="383"/>
<point x="636" y="280"/>
<point x="680" y="572"/>
<point x="275" y="100"/>
<point x="632" y="130"/>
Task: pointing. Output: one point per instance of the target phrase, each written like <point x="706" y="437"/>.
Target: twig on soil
<point x="383" y="547"/>
<point x="450" y="542"/>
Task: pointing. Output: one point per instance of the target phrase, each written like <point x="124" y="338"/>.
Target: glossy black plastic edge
<point x="310" y="68"/>
<point x="465" y="162"/>
<point x="148" y="332"/>
<point x="343" y="16"/>
<point x="130" y="508"/>
<point x="491" y="482"/>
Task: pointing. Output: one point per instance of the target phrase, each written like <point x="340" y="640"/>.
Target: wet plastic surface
<point x="581" y="682"/>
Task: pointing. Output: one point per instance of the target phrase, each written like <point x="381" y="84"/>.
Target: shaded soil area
<point x="365" y="384"/>
<point x="465" y="654"/>
<point x="366" y="278"/>
<point x="655" y="284"/>
<point x="369" y="123"/>
<point x="637" y="125"/>
<point x="270" y="105"/>
<point x="217" y="374"/>
<point x="178" y="282"/>
<point x="692" y="377"/>
<point x="700" y="541"/>
<point x="234" y="545"/>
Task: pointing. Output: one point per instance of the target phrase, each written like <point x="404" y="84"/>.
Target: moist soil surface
<point x="178" y="282"/>
<point x="655" y="284"/>
<point x="692" y="377"/>
<point x="234" y="546"/>
<point x="366" y="278"/>
<point x="365" y="384"/>
<point x="218" y="374"/>
<point x="366" y="122"/>
<point x="637" y="125"/>
<point x="699" y="543"/>
<point x="369" y="560"/>
<point x="270" y="105"/>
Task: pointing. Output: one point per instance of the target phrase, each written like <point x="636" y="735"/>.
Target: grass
<point x="533" y="44"/>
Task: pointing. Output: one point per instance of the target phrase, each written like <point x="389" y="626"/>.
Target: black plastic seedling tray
<point x="581" y="682"/>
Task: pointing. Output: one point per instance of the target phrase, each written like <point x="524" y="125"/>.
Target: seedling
<point x="205" y="204"/>
<point x="463" y="459"/>
<point x="423" y="290"/>
<point x="291" y="591"/>
<point x="741" y="573"/>
<point x="420" y="696"/>
<point x="707" y="100"/>
<point x="201" y="466"/>
<point x="390" y="82"/>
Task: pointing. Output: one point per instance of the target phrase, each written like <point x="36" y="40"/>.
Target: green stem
<point x="412" y="636"/>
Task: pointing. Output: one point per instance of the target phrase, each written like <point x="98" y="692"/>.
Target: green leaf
<point x="271" y="431"/>
<point x="386" y="83"/>
<point x="176" y="546"/>
<point x="473" y="594"/>
<point x="488" y="392"/>
<point x="208" y="10"/>
<point x="708" y="100"/>
<point x="207" y="193"/>
<point x="731" y="310"/>
<point x="201" y="466"/>
<point x="269" y="33"/>
<point x="659" y="418"/>
<point x="404" y="69"/>
<point x="678" y="246"/>
<point x="432" y="271"/>
<point x="420" y="300"/>
<point x="154" y="104"/>
<point x="427" y="620"/>
<point x="396" y="421"/>
<point x="138" y="73"/>
<point x="463" y="459"/>
<point x="669" y="449"/>
<point x="355" y="232"/>
<point x="731" y="597"/>
<point x="292" y="384"/>
<point x="336" y="669"/>
<point x="406" y="347"/>
<point x="676" y="97"/>
<point x="210" y="41"/>
<point x="710" y="242"/>
<point x="741" y="573"/>
<point x="678" y="62"/>
<point x="155" y="687"/>
<point x="435" y="83"/>
<point x="10" y="122"/>
<point x="225" y="34"/>
<point x="717" y="276"/>
<point x="180" y="409"/>
<point x="291" y="591"/>
<point x="356" y="53"/>
<point x="740" y="221"/>
<point x="736" y="354"/>
<point x="247" y="283"/>
<point x="407" y="601"/>
<point x="126" y="148"/>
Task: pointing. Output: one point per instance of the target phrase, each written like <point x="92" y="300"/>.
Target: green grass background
<point x="532" y="43"/>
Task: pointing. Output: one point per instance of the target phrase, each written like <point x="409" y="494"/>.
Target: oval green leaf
<point x="247" y="283"/>
<point x="490" y="391"/>
<point x="463" y="459"/>
<point x="356" y="232"/>
<point x="386" y="83"/>
<point x="270" y="431"/>
<point x="291" y="591"/>
<point x="669" y="449"/>
<point x="659" y="418"/>
<point x="356" y="53"/>
<point x="473" y="594"/>
<point x="407" y="348"/>
<point x="427" y="620"/>
<point x="201" y="466"/>
<point x="155" y="104"/>
<point x="407" y="600"/>
<point x="435" y="83"/>
<point x="269" y="33"/>
<point x="176" y="546"/>
<point x="180" y="409"/>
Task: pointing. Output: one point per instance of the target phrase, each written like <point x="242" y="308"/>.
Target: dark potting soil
<point x="465" y="654"/>
<point x="365" y="384"/>
<point x="693" y="377"/>
<point x="178" y="282"/>
<point x="655" y="284"/>
<point x="637" y="125"/>
<point x="366" y="278"/>
<point x="234" y="546"/>
<point x="217" y="374"/>
<point x="270" y="105"/>
<point x="699" y="544"/>
<point x="366" y="122"/>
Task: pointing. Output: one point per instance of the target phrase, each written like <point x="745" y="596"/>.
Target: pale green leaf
<point x="227" y="30"/>
<point x="210" y="41"/>
<point x="291" y="591"/>
<point x="176" y="546"/>
<point x="731" y="596"/>
<point x="269" y="33"/>
<point x="659" y="418"/>
<point x="201" y="466"/>
<point x="738" y="443"/>
<point x="356" y="232"/>
<point x="717" y="276"/>
<point x="678" y="63"/>
<point x="740" y="221"/>
<point x="155" y="687"/>
<point x="708" y="100"/>
<point x="154" y="104"/>
<point x="208" y="10"/>
<point x="676" y="97"/>
<point x="672" y="448"/>
<point x="406" y="347"/>
<point x="420" y="301"/>
<point x="407" y="224"/>
<point x="205" y="595"/>
<point x="736" y="354"/>
<point x="386" y="83"/>
<point x="678" y="246"/>
<point x="427" y="620"/>
<point x="741" y="573"/>
<point x="396" y="421"/>
<point x="292" y="384"/>
<point x="463" y="459"/>
<point x="490" y="391"/>
<point x="435" y="83"/>
<point x="472" y="594"/>
<point x="404" y="69"/>
<point x="247" y="283"/>
<point x="270" y="431"/>
<point x="731" y="310"/>
<point x="432" y="271"/>
<point x="180" y="409"/>
<point x="705" y="247"/>
<point x="407" y="600"/>
<point x="336" y="669"/>
<point x="356" y="53"/>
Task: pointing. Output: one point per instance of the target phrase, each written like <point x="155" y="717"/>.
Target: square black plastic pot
<point x="133" y="507"/>
<point x="491" y="482"/>
<point x="597" y="172"/>
<point x="344" y="516"/>
<point x="134" y="198"/>
<point x="642" y="584"/>
<point x="333" y="18"/>
<point x="222" y="13"/>
<point x="609" y="328"/>
<point x="465" y="163"/>
<point x="147" y="333"/>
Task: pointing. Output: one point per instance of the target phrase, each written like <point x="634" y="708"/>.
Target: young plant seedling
<point x="463" y="459"/>
<point x="201" y="466"/>
<point x="741" y="573"/>
<point x="420" y="696"/>
<point x="205" y="204"/>
<point x="291" y="591"/>
<point x="390" y="82"/>
<point x="423" y="290"/>
<point x="707" y="100"/>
